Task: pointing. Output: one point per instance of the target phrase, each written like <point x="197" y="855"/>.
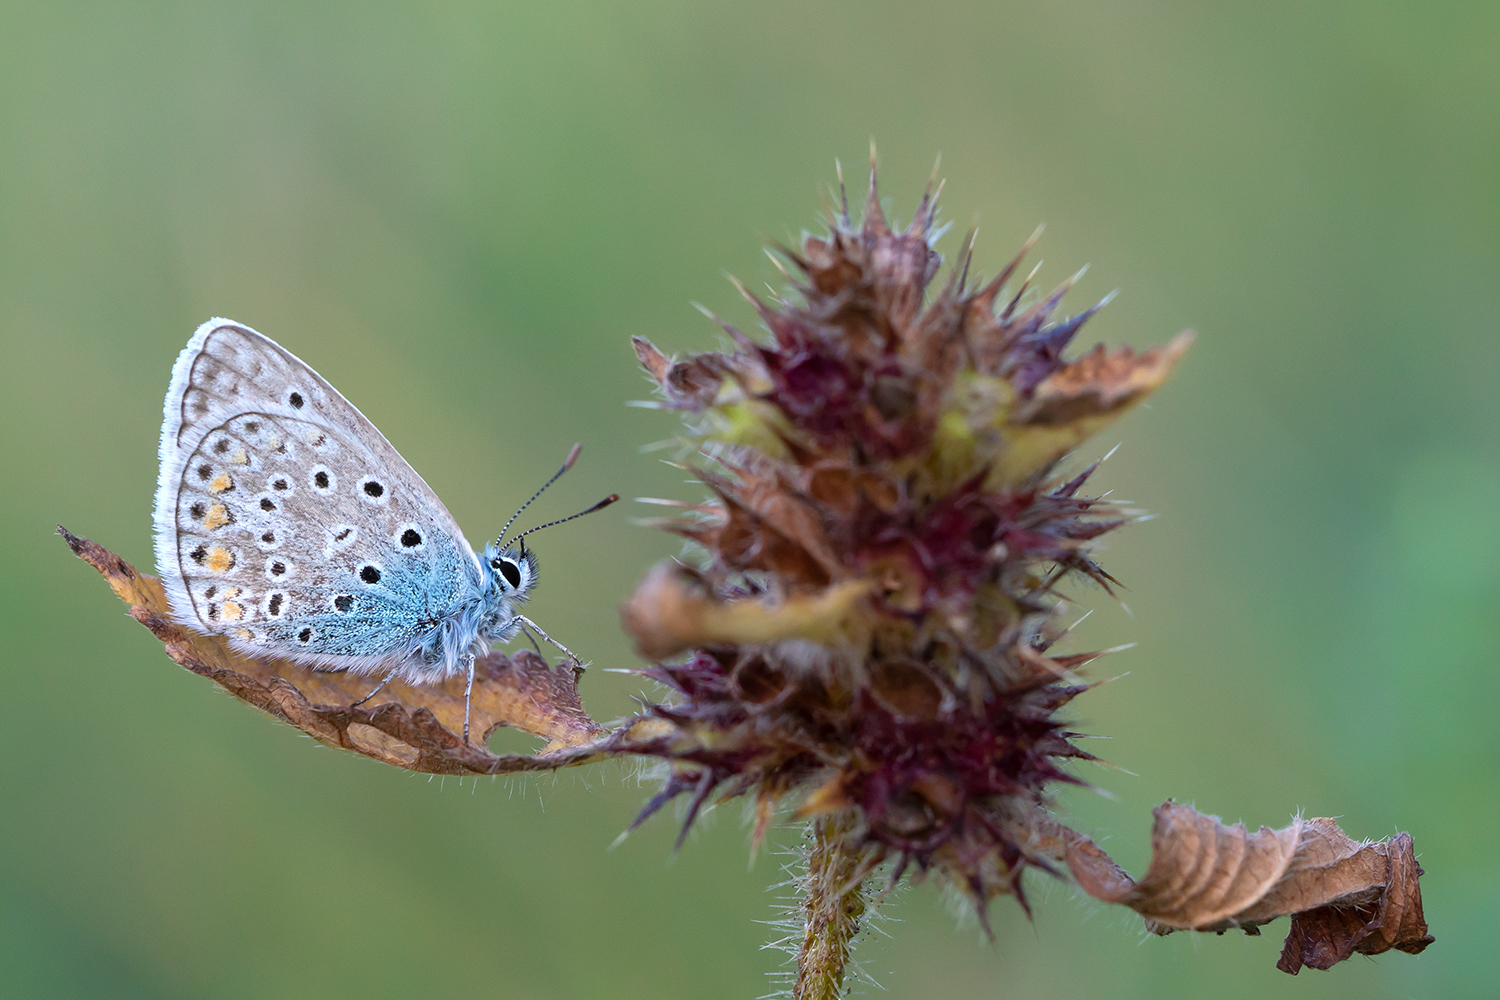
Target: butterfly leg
<point x="372" y="694"/>
<point x="468" y="691"/>
<point x="531" y="639"/>
<point x="527" y="621"/>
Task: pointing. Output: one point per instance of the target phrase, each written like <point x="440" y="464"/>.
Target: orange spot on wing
<point x="244" y="633"/>
<point x="231" y="612"/>
<point x="219" y="559"/>
<point x="240" y="458"/>
<point x="221" y="483"/>
<point x="217" y="517"/>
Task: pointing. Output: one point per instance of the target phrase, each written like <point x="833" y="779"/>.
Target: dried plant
<point x="862" y="635"/>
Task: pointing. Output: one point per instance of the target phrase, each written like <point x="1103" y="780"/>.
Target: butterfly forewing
<point x="286" y="522"/>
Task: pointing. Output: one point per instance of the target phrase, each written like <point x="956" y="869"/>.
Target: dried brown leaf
<point x="1344" y="896"/>
<point x="1324" y="936"/>
<point x="415" y="727"/>
<point x="1203" y="873"/>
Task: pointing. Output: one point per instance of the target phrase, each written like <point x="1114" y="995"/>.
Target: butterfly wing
<point x="286" y="522"/>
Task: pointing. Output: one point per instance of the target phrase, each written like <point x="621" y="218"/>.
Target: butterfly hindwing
<point x="286" y="522"/>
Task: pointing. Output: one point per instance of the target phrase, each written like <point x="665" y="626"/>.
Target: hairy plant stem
<point x="833" y="906"/>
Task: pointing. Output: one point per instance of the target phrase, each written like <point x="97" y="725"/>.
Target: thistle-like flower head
<point x="867" y="629"/>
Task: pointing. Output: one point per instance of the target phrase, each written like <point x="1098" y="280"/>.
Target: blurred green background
<point x="460" y="212"/>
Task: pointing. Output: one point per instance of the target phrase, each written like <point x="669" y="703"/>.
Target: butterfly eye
<point x="509" y="570"/>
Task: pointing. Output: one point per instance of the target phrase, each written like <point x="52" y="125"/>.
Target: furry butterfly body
<point x="286" y="523"/>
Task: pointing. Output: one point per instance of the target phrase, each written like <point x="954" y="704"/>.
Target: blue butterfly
<point x="286" y="523"/>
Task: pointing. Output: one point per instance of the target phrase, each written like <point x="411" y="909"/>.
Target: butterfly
<point x="288" y="525"/>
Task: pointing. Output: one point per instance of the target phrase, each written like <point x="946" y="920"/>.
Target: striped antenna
<point x="567" y="464"/>
<point x="564" y="520"/>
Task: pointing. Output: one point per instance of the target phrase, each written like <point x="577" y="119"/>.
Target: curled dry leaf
<point x="1344" y="896"/>
<point x="414" y="727"/>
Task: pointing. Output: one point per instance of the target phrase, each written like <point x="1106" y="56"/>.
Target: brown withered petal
<point x="415" y="727"/>
<point x="765" y="524"/>
<point x="1344" y="896"/>
<point x="687" y="385"/>
<point x="651" y="358"/>
<point x="669" y="613"/>
<point x="1079" y="399"/>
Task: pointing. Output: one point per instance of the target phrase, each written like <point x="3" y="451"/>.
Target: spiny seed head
<point x="867" y="629"/>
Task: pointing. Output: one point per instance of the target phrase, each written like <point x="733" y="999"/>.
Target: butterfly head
<point x="510" y="571"/>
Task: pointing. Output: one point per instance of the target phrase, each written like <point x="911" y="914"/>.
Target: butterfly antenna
<point x="567" y="464"/>
<point x="564" y="520"/>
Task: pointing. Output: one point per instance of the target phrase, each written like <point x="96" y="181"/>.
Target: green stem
<point x="832" y="909"/>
